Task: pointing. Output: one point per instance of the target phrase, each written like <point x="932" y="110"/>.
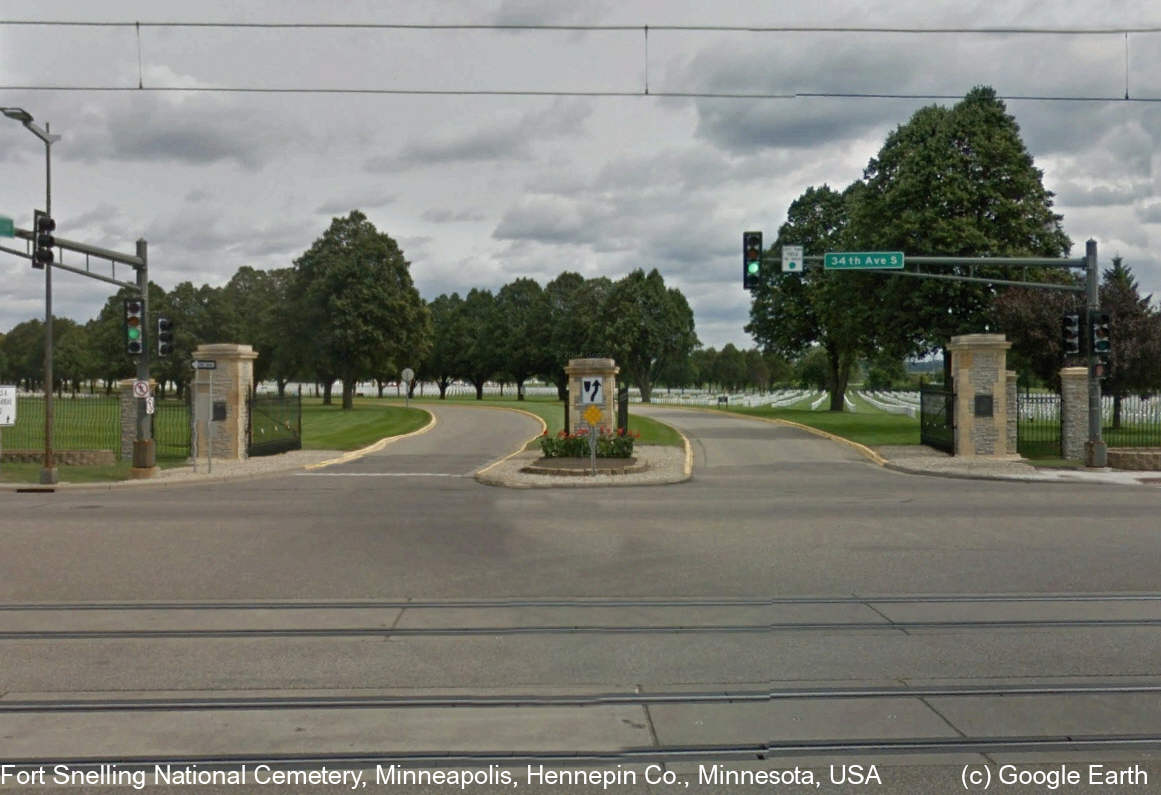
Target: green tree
<point x="355" y="303"/>
<point x="838" y="311"/>
<point x="574" y="307"/>
<point x="449" y="338"/>
<point x="1134" y="337"/>
<point x="24" y="350"/>
<point x="648" y="327"/>
<point x="730" y="368"/>
<point x="478" y="358"/>
<point x="953" y="182"/>
<point x="522" y="317"/>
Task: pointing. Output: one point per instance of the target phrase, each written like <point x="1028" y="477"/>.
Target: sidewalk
<point x="921" y="460"/>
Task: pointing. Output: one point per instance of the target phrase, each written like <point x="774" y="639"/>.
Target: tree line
<point x="347" y="311"/>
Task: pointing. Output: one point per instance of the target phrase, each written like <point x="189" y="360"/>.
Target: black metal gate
<point x="1038" y="425"/>
<point x="274" y="424"/>
<point x="937" y="417"/>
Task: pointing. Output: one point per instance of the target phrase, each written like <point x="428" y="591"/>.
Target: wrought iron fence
<point x="1135" y="423"/>
<point x="274" y="424"/>
<point x="78" y="423"/>
<point x="937" y="417"/>
<point x="1038" y="425"/>
<point x="171" y="429"/>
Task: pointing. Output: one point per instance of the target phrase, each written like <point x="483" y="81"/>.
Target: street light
<point x="48" y="473"/>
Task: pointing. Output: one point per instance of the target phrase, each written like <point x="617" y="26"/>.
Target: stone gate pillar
<point x="577" y="371"/>
<point x="220" y="399"/>
<point x="1073" y="412"/>
<point x="982" y="395"/>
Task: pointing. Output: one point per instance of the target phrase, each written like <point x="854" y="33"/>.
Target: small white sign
<point x="140" y="389"/>
<point x="408" y="374"/>
<point x="7" y="405"/>
<point x="792" y="259"/>
<point x="150" y="405"/>
<point x="592" y="390"/>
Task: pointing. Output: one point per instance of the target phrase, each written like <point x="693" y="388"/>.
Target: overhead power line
<point x="1000" y="30"/>
<point x="480" y="92"/>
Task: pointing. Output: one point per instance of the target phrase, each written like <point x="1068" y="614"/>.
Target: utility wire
<point x="464" y="92"/>
<point x="1003" y="30"/>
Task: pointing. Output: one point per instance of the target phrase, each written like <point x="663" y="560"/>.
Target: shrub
<point x="576" y="445"/>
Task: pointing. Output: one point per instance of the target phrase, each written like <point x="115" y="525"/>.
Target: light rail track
<point x="563" y="700"/>
<point x="661" y="754"/>
<point x="401" y="604"/>
<point x="594" y="629"/>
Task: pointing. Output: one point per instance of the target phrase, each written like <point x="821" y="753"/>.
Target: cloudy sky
<point x="479" y="190"/>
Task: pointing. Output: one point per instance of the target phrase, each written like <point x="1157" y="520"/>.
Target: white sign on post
<point x="792" y="259"/>
<point x="150" y="405"/>
<point x="7" y="405"/>
<point x="140" y="389"/>
<point x="592" y="390"/>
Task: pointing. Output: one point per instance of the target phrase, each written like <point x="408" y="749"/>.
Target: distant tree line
<point x="347" y="311"/>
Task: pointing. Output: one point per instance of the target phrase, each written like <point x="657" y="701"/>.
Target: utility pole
<point x="1097" y="452"/>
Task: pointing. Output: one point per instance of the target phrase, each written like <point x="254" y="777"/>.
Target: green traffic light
<point x="752" y="268"/>
<point x="134" y="333"/>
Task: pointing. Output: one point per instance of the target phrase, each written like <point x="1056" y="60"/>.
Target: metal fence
<point x="1136" y="424"/>
<point x="1038" y="425"/>
<point x="78" y="423"/>
<point x="274" y="425"/>
<point x="937" y="417"/>
<point x="171" y="429"/>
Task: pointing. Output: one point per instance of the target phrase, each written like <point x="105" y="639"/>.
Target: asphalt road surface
<point x="792" y="604"/>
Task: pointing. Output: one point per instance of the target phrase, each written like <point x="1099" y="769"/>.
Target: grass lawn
<point x="331" y="428"/>
<point x="867" y="425"/>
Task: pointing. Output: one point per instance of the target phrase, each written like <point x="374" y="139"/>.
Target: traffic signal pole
<point x="144" y="454"/>
<point x="1097" y="450"/>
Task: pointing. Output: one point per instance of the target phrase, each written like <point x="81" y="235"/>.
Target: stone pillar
<point x="232" y="382"/>
<point x="577" y="371"/>
<point x="129" y="415"/>
<point x="1013" y="417"/>
<point x="1073" y="412"/>
<point x="979" y="367"/>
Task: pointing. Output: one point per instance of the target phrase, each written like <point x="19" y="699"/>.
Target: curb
<point x="374" y="447"/>
<point x="543" y="427"/>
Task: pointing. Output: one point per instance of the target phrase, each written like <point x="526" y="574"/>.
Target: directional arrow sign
<point x="862" y="260"/>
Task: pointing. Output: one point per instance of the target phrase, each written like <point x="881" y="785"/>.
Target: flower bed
<point x="610" y="444"/>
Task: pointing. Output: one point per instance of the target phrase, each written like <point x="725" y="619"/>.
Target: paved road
<point x="787" y="562"/>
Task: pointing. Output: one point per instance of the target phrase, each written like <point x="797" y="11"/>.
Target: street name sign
<point x="7" y="228"/>
<point x="7" y="405"/>
<point x="862" y="260"/>
<point x="205" y="364"/>
<point x="792" y="259"/>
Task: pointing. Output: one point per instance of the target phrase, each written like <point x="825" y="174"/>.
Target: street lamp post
<point x="48" y="473"/>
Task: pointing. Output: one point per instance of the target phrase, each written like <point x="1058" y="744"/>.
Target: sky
<point x="479" y="190"/>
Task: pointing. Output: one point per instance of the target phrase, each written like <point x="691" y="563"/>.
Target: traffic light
<point x="42" y="227"/>
<point x="164" y="336"/>
<point x="1101" y="344"/>
<point x="134" y="326"/>
<point x="751" y="259"/>
<point x="1071" y="334"/>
